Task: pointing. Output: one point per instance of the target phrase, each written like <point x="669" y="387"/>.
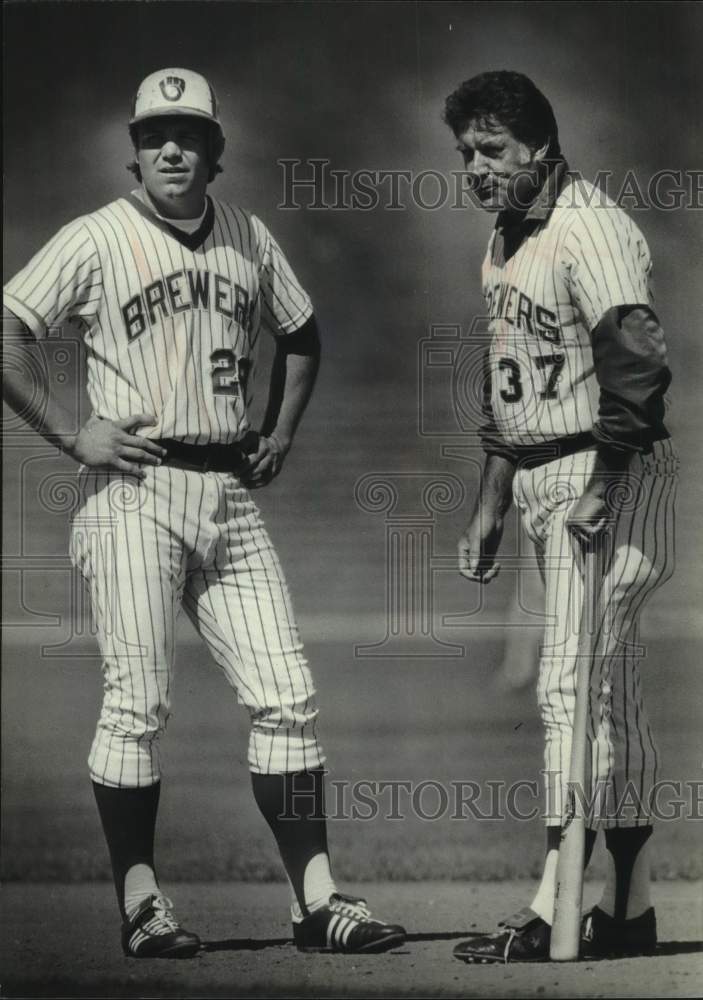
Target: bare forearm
<point x="293" y="377"/>
<point x="26" y="385"/>
<point x="298" y="383"/>
<point x="276" y="392"/>
<point x="496" y="492"/>
<point x="480" y="541"/>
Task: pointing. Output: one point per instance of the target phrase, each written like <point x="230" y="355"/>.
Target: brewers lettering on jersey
<point x="174" y="316"/>
<point x="574" y="433"/>
<point x="543" y="303"/>
<point x="174" y="288"/>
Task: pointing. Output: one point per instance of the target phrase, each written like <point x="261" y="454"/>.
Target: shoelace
<point x="517" y="918"/>
<point x="358" y="910"/>
<point x="162" y="909"/>
<point x="506" y="951"/>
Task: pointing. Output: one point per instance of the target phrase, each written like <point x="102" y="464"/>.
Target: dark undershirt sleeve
<point x="629" y="356"/>
<point x="305" y="340"/>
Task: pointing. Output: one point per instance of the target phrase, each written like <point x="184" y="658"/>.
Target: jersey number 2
<point x="511" y="371"/>
<point x="229" y="373"/>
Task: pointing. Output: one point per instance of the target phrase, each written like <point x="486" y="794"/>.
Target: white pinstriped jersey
<point x="584" y="258"/>
<point x="172" y="319"/>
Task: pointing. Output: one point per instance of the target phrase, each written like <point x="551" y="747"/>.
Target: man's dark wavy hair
<point x="512" y="100"/>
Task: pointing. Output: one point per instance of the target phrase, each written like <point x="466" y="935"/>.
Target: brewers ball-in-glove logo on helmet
<point x="172" y="87"/>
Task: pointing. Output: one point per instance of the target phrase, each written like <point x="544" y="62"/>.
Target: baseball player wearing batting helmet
<point x="175" y="288"/>
<point x="576" y="374"/>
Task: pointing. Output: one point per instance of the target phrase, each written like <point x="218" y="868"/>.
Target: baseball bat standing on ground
<point x="566" y="923"/>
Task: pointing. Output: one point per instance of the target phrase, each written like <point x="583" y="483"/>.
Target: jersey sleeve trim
<point x="33" y="320"/>
<point x="292" y="322"/>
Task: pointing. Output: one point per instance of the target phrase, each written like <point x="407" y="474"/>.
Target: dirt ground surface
<point x="63" y="941"/>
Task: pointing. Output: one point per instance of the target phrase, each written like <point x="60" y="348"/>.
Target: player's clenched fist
<point x="116" y="445"/>
<point x="265" y="463"/>
<point x="478" y="545"/>
<point x="590" y="515"/>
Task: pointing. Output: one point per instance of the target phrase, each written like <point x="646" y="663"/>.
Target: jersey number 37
<point x="512" y="390"/>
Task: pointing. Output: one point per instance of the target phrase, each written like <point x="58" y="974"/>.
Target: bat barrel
<point x="566" y="928"/>
<point x="566" y="924"/>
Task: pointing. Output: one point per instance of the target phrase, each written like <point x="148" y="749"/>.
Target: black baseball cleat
<point x="605" y="937"/>
<point x="345" y="925"/>
<point x="524" y="937"/>
<point x="153" y="932"/>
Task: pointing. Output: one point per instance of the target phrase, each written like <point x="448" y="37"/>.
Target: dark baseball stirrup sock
<point x="624" y="845"/>
<point x="293" y="806"/>
<point x="128" y="816"/>
<point x="590" y="844"/>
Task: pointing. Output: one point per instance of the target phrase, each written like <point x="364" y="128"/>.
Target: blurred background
<point x="361" y="85"/>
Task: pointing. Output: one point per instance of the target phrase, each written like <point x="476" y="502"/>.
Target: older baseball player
<point x="175" y="287"/>
<point x="574" y="433"/>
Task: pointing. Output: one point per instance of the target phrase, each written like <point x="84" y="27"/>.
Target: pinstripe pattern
<point x="545" y="300"/>
<point x="572" y="265"/>
<point x="157" y="303"/>
<point x="104" y="266"/>
<point x="196" y="539"/>
<point x="623" y="759"/>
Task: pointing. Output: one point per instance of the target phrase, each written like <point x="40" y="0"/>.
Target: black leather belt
<point x="232" y="458"/>
<point x="530" y="456"/>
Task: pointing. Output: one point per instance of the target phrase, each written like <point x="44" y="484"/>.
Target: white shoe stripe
<point x="347" y="931"/>
<point x="339" y="930"/>
<point x="136" y="939"/>
<point x="330" y="928"/>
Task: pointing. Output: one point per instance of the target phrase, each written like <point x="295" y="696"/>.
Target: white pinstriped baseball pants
<point x="196" y="539"/>
<point x="639" y="558"/>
